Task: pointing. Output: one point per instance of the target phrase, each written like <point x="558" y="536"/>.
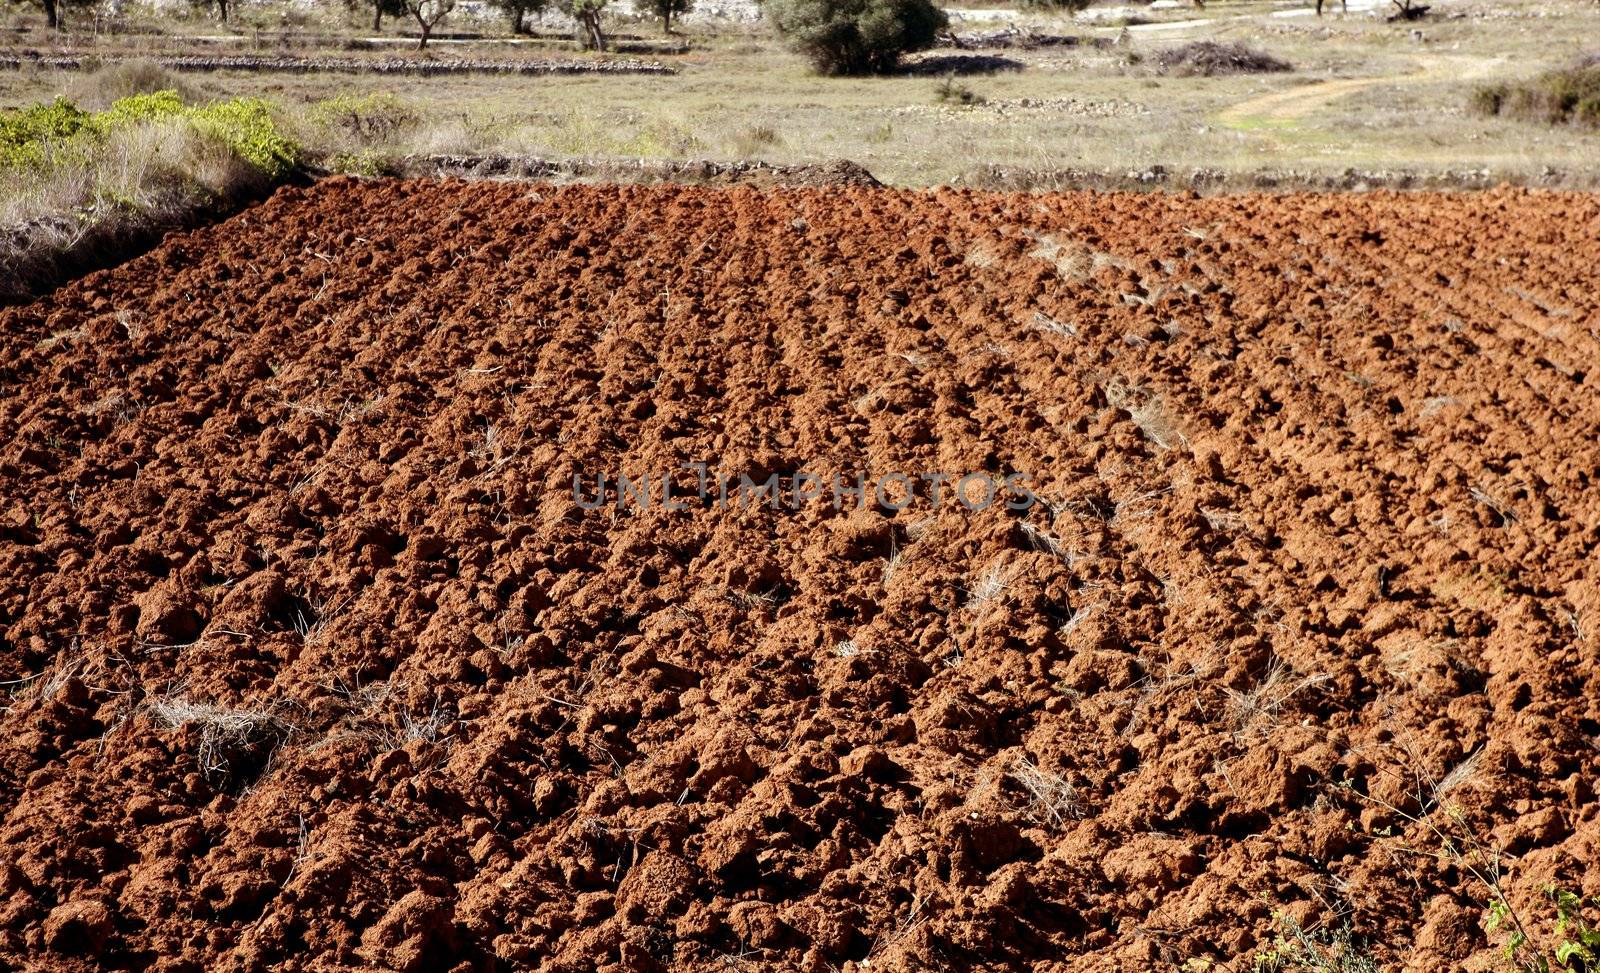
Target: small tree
<point x="517" y="12"/>
<point x="665" y="9"/>
<point x="857" y="36"/>
<point x="427" y="14"/>
<point x="53" y="9"/>
<point x="587" y="13"/>
<point x="221" y="5"/>
<point x="380" y="10"/>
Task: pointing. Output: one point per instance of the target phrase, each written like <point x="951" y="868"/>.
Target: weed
<point x="1297" y="948"/>
<point x="994" y="581"/>
<point x="751" y="141"/>
<point x="1147" y="410"/>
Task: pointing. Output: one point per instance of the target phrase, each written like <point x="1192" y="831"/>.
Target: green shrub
<point x="139" y="108"/>
<point x="27" y="134"/>
<point x="246" y="125"/>
<point x="363" y="163"/>
<point x="1561" y="97"/>
<point x="43" y="135"/>
<point x="857" y="36"/>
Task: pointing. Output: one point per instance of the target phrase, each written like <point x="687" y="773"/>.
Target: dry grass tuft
<point x="231" y="740"/>
<point x="1148" y="411"/>
<point x="1052" y="800"/>
<point x="1266" y="698"/>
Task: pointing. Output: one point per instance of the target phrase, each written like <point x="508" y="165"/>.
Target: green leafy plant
<point x="42" y="134"/>
<point x="1576" y="948"/>
<point x="27" y="133"/>
<point x="1296" y="948"/>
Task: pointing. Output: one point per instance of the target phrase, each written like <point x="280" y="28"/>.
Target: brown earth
<point x="319" y="665"/>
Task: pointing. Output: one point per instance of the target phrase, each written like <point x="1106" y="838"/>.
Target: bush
<point x="1208" y="58"/>
<point x="1562" y="97"/>
<point x="857" y="36"/>
<point x="139" y="108"/>
<point x="246" y="125"/>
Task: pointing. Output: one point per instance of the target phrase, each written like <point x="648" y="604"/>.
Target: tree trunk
<point x="222" y="8"/>
<point x="377" y="15"/>
<point x="1319" y="8"/>
<point x="666" y="22"/>
<point x="52" y="18"/>
<point x="422" y="41"/>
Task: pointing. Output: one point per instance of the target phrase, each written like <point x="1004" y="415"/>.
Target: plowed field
<point x="318" y="661"/>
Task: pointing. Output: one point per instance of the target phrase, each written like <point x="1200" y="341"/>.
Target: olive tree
<point x="664" y="9"/>
<point x="857" y="36"/>
<point x="53" y="9"/>
<point x="517" y="12"/>
<point x="428" y="14"/>
<point x="380" y="9"/>
<point x="587" y="13"/>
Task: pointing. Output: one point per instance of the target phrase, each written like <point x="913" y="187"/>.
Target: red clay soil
<point x="318" y="664"/>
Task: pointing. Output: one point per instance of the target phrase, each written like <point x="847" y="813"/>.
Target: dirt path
<point x="1282" y="109"/>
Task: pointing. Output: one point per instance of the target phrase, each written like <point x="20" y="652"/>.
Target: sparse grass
<point x="994" y="581"/>
<point x="1148" y="411"/>
<point x="44" y="686"/>
<point x="751" y="142"/>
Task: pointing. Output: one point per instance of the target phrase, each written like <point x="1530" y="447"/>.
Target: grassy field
<point x="1364" y="94"/>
